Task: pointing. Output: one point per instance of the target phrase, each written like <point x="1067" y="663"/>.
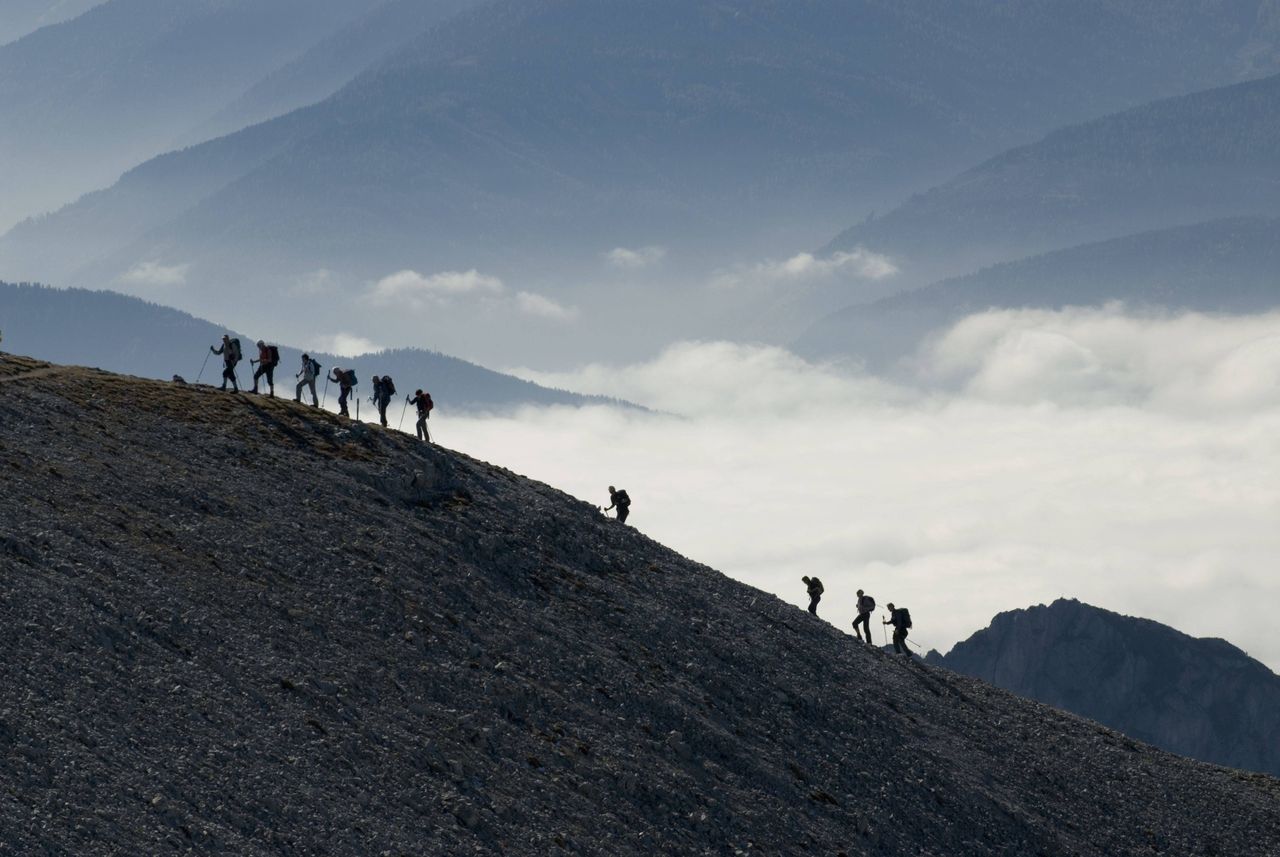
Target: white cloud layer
<point x="543" y="307"/>
<point x="644" y="257"/>
<point x="860" y="263"/>
<point x="154" y="274"/>
<point x="346" y="345"/>
<point x="1132" y="462"/>
<point x="414" y="290"/>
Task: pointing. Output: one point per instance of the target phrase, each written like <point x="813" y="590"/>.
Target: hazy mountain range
<point x="1200" y="698"/>
<point x="527" y="138"/>
<point x="20" y="17"/>
<point x="128" y="335"/>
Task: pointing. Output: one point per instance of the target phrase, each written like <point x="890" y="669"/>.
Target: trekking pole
<point x="207" y="355"/>
<point x="326" y="392"/>
<point x="402" y="413"/>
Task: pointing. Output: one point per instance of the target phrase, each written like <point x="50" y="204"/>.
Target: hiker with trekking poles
<point x="268" y="359"/>
<point x="900" y="619"/>
<point x="815" y="589"/>
<point x="383" y="389"/>
<point x="618" y="499"/>
<point x="346" y="380"/>
<point x="307" y="379"/>
<point x="424" y="405"/>
<point x="230" y="351"/>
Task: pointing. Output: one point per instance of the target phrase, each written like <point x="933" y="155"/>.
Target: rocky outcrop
<point x="1200" y="698"/>
<point x="232" y="625"/>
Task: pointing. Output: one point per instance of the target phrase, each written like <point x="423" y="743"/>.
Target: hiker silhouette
<point x="618" y="499"/>
<point x="422" y="401"/>
<point x="815" y="588"/>
<point x="900" y="619"/>
<point x="230" y="351"/>
<point x="865" y="605"/>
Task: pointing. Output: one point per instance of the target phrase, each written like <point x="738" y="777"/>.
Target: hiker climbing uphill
<point x="814" y="586"/>
<point x="230" y="351"/>
<point x="383" y="390"/>
<point x="900" y="619"/>
<point x="865" y="605"/>
<point x="345" y="379"/>
<point x="307" y="380"/>
<point x="268" y="358"/>
<point x="620" y="501"/>
<point x="422" y="401"/>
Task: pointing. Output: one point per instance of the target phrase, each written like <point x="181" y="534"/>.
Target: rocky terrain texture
<point x="1202" y="698"/>
<point x="231" y="625"/>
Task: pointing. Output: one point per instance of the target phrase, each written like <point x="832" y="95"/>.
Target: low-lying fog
<point x="1128" y="460"/>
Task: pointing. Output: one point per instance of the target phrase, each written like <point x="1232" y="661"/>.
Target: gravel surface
<point x="232" y="625"/>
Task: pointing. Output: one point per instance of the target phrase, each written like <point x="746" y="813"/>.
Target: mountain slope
<point x="124" y="334"/>
<point x="1201" y="698"/>
<point x="1224" y="266"/>
<point x="1198" y="157"/>
<point x="20" y="17"/>
<point x="526" y="121"/>
<point x="87" y="99"/>
<point x="330" y="64"/>
<point x="236" y="626"/>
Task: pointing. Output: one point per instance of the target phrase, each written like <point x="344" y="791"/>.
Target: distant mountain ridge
<point x="128" y="335"/>
<point x="1199" y="157"/>
<point x="524" y="121"/>
<point x="1202" y="698"/>
<point x="1230" y="265"/>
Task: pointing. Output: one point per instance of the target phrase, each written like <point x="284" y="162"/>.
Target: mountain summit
<point x="1201" y="698"/>
<point x="235" y="626"/>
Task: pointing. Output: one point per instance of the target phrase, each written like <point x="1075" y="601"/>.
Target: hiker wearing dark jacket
<point x="383" y="390"/>
<point x="620" y="501"/>
<point x="266" y="366"/>
<point x="308" y="380"/>
<point x="422" y="401"/>
<point x="344" y="389"/>
<point x="865" y="605"/>
<point x="900" y="619"/>
<point x="229" y="361"/>
<point x="815" y="593"/>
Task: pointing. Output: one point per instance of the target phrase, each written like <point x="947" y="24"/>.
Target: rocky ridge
<point x="1202" y="698"/>
<point x="231" y="625"/>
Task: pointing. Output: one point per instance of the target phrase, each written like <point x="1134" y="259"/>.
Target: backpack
<point x="426" y="401"/>
<point x="622" y="500"/>
<point x="235" y="350"/>
<point x="388" y="388"/>
<point x="906" y="616"/>
<point x="349" y="377"/>
<point x="315" y="367"/>
<point x="816" y="585"/>
<point x="275" y="355"/>
<point x="868" y="604"/>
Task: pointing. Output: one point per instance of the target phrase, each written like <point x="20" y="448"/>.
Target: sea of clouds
<point x="1128" y="460"/>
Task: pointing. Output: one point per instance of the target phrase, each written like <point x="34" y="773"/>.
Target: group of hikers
<point x="269" y="358"/>
<point x="899" y="617"/>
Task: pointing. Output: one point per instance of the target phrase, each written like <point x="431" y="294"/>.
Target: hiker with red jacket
<point x="424" y="405"/>
<point x="344" y="378"/>
<point x="268" y="358"/>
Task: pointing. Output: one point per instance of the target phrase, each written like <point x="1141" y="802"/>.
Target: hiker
<point x="310" y="370"/>
<point x="424" y="405"/>
<point x="621" y="501"/>
<point x="815" y="593"/>
<point x="268" y="357"/>
<point x="345" y="379"/>
<point x="865" y="605"/>
<point x="383" y="397"/>
<point x="900" y="619"/>
<point x="230" y="351"/>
